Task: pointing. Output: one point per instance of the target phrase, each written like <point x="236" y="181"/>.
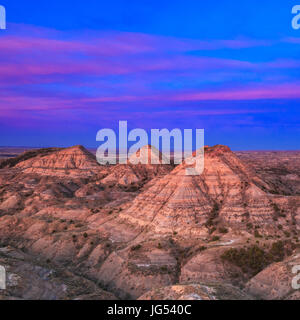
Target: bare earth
<point x="73" y="229"/>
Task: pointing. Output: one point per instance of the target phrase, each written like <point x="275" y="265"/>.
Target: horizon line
<point x="95" y="148"/>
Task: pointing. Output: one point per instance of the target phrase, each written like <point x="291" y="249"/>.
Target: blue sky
<point x="69" y="69"/>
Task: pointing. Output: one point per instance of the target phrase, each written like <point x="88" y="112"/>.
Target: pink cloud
<point x="99" y="46"/>
<point x="10" y="104"/>
<point x="49" y="55"/>
<point x="29" y="69"/>
<point x="283" y="91"/>
<point x="259" y="92"/>
<point x="111" y="42"/>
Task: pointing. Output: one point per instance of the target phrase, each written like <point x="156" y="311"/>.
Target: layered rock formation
<point x="129" y="229"/>
<point x="71" y="161"/>
<point x="276" y="281"/>
<point x="280" y="169"/>
<point x="226" y="193"/>
<point x="37" y="281"/>
<point x="139" y="169"/>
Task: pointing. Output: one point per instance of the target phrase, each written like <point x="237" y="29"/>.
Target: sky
<point x="70" y="69"/>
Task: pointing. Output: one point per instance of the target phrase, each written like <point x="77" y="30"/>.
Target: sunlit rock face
<point x="74" y="161"/>
<point x="196" y="292"/>
<point x="276" y="281"/>
<point x="141" y="167"/>
<point x="227" y="192"/>
<point x="134" y="228"/>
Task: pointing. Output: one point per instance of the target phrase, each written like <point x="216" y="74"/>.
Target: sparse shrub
<point x="215" y="238"/>
<point x="215" y="208"/>
<point x="79" y="225"/>
<point x="171" y="240"/>
<point x="287" y="234"/>
<point x="212" y="230"/>
<point x="164" y="269"/>
<point x="223" y="230"/>
<point x="279" y="227"/>
<point x="277" y="251"/>
<point x="209" y="223"/>
<point x="257" y="234"/>
<point x="282" y="215"/>
<point x="276" y="208"/>
<point x="247" y="214"/>
<point x="135" y="248"/>
<point x="251" y="260"/>
<point x="85" y="235"/>
<point x="254" y="259"/>
<point x="249" y="225"/>
<point x="212" y="215"/>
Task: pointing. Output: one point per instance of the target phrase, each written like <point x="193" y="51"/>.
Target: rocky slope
<point x="226" y="194"/>
<point x="39" y="281"/>
<point x="275" y="282"/>
<point x="130" y="229"/>
<point x="139" y="169"/>
<point x="196" y="292"/>
<point x="280" y="169"/>
<point x="68" y="161"/>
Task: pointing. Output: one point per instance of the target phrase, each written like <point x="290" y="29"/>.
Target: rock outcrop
<point x="205" y="291"/>
<point x="276" y="281"/>
<point x="138" y="170"/>
<point x="226" y="193"/>
<point x="130" y="229"/>
<point x="71" y="161"/>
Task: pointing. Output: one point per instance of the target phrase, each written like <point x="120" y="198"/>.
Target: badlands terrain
<point x="73" y="229"/>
